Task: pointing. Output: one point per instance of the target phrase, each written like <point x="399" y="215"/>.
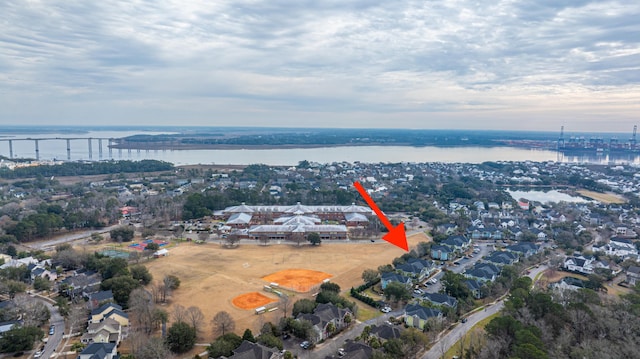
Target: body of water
<point x="545" y="196"/>
<point x="54" y="146"/>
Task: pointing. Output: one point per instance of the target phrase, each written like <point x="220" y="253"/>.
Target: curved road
<point x="451" y="338"/>
<point x="56" y="319"/>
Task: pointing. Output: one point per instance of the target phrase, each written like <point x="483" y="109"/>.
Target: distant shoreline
<point x="180" y="146"/>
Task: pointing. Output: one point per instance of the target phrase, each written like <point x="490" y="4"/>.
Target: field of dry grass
<point x="606" y="198"/>
<point x="212" y="276"/>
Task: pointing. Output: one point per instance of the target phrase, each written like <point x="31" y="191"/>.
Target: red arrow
<point x="396" y="235"/>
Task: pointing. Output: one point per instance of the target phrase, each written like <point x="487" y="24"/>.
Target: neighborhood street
<point x="450" y="338"/>
<point x="57" y="321"/>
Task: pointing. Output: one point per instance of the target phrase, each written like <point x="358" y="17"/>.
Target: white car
<point x="385" y="309"/>
<point x="37" y="354"/>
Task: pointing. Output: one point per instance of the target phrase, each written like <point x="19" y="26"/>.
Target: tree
<point x="141" y="305"/>
<point x="314" y="238"/>
<point x="19" y="339"/>
<point x="224" y="345"/>
<point x="248" y="336"/>
<point x="283" y="304"/>
<point x="40" y="283"/>
<point x="141" y="273"/>
<point x="303" y="306"/>
<point x="153" y="246"/>
<point x="181" y="337"/>
<point x="370" y="275"/>
<point x="122" y="234"/>
<point x="222" y="323"/>
<point x="195" y="318"/>
<point x="153" y="348"/>
<point x="121" y="287"/>
<point x="397" y="291"/>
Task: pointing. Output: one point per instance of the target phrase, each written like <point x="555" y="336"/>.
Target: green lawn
<point x="454" y="350"/>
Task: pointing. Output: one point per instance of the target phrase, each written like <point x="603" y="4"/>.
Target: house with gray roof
<point x="417" y="316"/>
<point x="441" y="299"/>
<point x="502" y="258"/>
<point x="416" y="268"/>
<point x="326" y="319"/>
<point x="525" y="249"/>
<point x="484" y="272"/>
<point x="442" y="253"/>
<point x="385" y="331"/>
<point x="389" y="277"/>
<point x="249" y="350"/>
<point x="99" y="351"/>
<point x="357" y="350"/>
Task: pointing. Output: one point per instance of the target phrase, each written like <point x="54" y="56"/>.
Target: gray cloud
<point x="459" y="63"/>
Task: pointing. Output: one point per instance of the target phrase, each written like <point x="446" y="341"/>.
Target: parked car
<point x="341" y="352"/>
<point x="305" y="345"/>
<point x="385" y="309"/>
<point x="37" y="354"/>
<point x="52" y="329"/>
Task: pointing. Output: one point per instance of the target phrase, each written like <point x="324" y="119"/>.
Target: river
<point x="54" y="146"/>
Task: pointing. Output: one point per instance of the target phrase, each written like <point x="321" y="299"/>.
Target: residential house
<point x="357" y="350"/>
<point x="484" y="272"/>
<point x="417" y="316"/>
<point x="475" y="287"/>
<point x="6" y="326"/>
<point x="441" y="299"/>
<point x="457" y="243"/>
<point x="619" y="247"/>
<point x="327" y="319"/>
<point x="99" y="351"/>
<point x="568" y="283"/>
<point x="385" y="332"/>
<point x="447" y="228"/>
<point x="106" y="331"/>
<point x="442" y="253"/>
<point x="502" y="258"/>
<point x="39" y="271"/>
<point x="579" y="264"/>
<point x="81" y="284"/>
<point x="249" y="350"/>
<point x="416" y="268"/>
<point x="99" y="298"/>
<point x="389" y="277"/>
<point x="525" y="249"/>
<point x="110" y="310"/>
<point x="633" y="276"/>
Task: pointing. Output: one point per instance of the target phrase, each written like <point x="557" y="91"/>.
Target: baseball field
<point x="214" y="278"/>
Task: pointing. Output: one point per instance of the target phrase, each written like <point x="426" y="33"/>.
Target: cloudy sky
<point x="495" y="64"/>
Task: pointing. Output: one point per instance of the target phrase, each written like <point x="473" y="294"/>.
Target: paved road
<point x="451" y="337"/>
<point x="53" y="341"/>
<point x="51" y="243"/>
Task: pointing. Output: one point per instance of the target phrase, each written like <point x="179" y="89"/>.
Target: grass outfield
<point x="211" y="276"/>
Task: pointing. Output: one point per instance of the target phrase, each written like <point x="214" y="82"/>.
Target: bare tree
<point x="34" y="312"/>
<point x="284" y="304"/>
<point x="179" y="313"/>
<point x="141" y="304"/>
<point x="222" y="323"/>
<point x="195" y="318"/>
<point x="154" y="348"/>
